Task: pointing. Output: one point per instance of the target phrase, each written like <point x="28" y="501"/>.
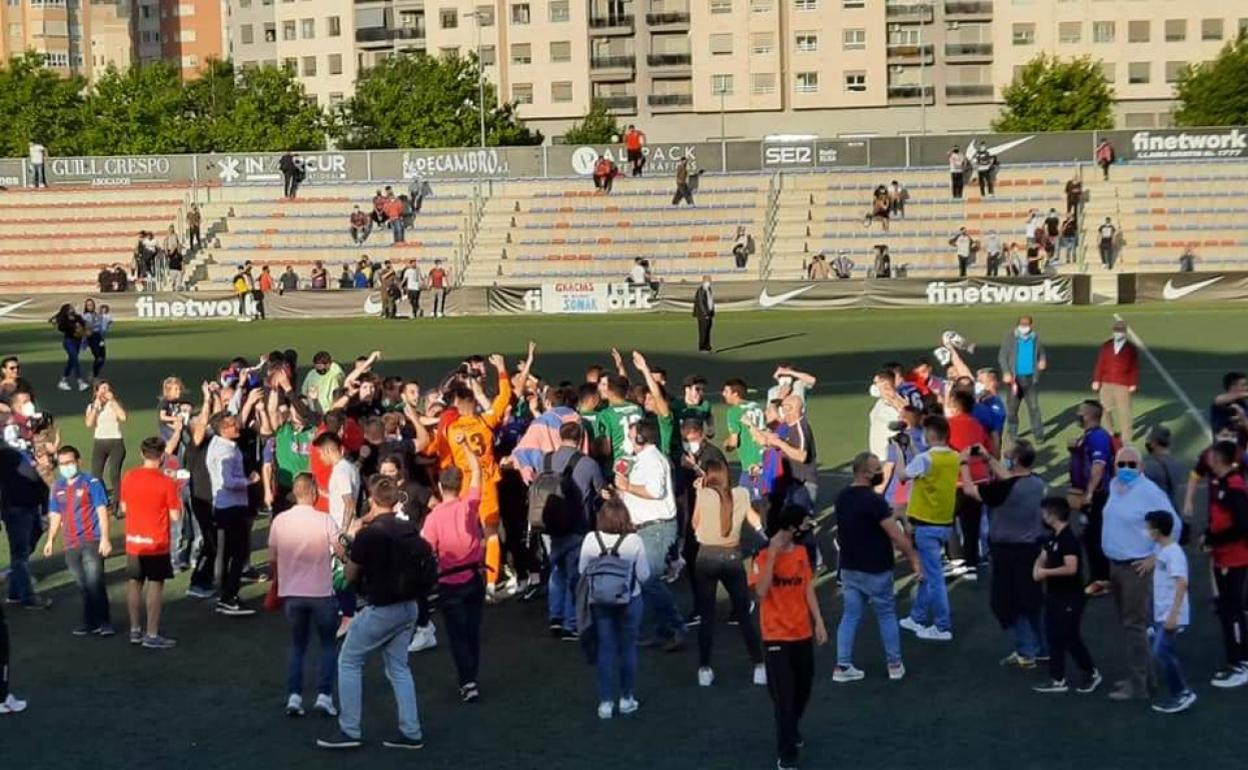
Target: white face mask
<point x="1023" y="330"/>
<point x="1119" y="336"/>
<point x="874" y="390"/>
<point x="692" y="447"/>
<point x="28" y="409"/>
<point x="979" y="389"/>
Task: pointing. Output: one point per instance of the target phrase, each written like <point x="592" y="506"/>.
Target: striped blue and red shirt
<point x="77" y="501"/>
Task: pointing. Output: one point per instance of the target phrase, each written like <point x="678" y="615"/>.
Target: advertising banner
<point x="1187" y="287"/>
<point x="572" y="297"/>
<point x="1009" y="148"/>
<point x="11" y="172"/>
<point x="261" y="167"/>
<point x="661" y="159"/>
<point x="465" y="163"/>
<point x="1029" y="290"/>
<point x="120" y="171"/>
<point x="1178" y="143"/>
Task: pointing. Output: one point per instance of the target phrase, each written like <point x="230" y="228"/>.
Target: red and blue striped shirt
<point x="77" y="501"/>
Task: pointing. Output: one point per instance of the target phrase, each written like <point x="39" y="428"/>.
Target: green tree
<point x="141" y="111"/>
<point x="598" y="127"/>
<point x="1212" y="93"/>
<point x="266" y="110"/>
<point x="422" y="101"/>
<point x="39" y="105"/>
<point x="1052" y="94"/>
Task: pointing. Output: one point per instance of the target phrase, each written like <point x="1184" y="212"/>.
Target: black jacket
<point x="701" y="304"/>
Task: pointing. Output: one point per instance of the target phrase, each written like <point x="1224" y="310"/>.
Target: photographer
<point x="1015" y="532"/>
<point x="904" y="445"/>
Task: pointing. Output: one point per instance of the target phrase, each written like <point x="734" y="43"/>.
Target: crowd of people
<point x="398" y="506"/>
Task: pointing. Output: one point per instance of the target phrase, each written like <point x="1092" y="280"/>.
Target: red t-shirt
<point x="965" y="431"/>
<point x="632" y="140"/>
<point x="1225" y="495"/>
<point x="437" y="277"/>
<point x="148" y="496"/>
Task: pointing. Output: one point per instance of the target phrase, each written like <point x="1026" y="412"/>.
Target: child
<point x="1171" y="612"/>
<point x="1059" y="568"/>
<point x="789" y="617"/>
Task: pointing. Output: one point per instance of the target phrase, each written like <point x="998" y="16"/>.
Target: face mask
<point x="68" y="471"/>
<point x="692" y="447"/>
<point x="874" y="390"/>
<point x="1119" y="336"/>
<point x="877" y="479"/>
<point x="1128" y="475"/>
<point x="1023" y="331"/>
<point x="28" y="409"/>
<point x="980" y="389"/>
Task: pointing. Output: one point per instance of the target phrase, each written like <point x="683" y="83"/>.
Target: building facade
<point x="73" y="37"/>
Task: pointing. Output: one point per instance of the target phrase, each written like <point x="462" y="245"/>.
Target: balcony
<point x="909" y="94"/>
<point x="967" y="94"/>
<point x="626" y="105"/>
<point x="612" y="67"/>
<point x="669" y="64"/>
<point x="911" y="54"/>
<point x="611" y="25"/>
<point x="969" y="11"/>
<point x="669" y="102"/>
<point x="386" y="34"/>
<point x="672" y="21"/>
<point x="915" y="13"/>
<point x="964" y="53"/>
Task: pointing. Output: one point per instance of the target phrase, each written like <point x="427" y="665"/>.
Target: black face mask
<point x="877" y="479"/>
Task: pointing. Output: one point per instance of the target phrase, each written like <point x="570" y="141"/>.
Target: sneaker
<point x="339" y="740"/>
<point x="760" y="675"/>
<point x="909" y="624"/>
<point x="294" y="705"/>
<point x="136" y="636"/>
<point x="675" y="644"/>
<point x="606" y="710"/>
<point x="782" y="765"/>
<point x="1178" y="703"/>
<point x="233" y="608"/>
<point x="403" y="742"/>
<point x="694" y="621"/>
<point x="470" y="693"/>
<point x="425" y="638"/>
<point x="158" y="642"/>
<point x="1123" y="692"/>
<point x="37" y="603"/>
<point x="896" y="671"/>
<point x="555" y="627"/>
<point x="971" y="575"/>
<point x="105" y="631"/>
<point x="568" y="635"/>
<point x="934" y="634"/>
<point x="1090" y="684"/>
<point x="83" y="631"/>
<point x="706" y="677"/>
<point x="325" y="705"/>
<point x="628" y="705"/>
<point x="1053" y="686"/>
<point x="196" y="592"/>
<point x="63" y="384"/>
<point x="1097" y="588"/>
<point x="530" y="590"/>
<point x="82" y="385"/>
<point x="1043" y="657"/>
<point x="1228" y="678"/>
<point x="1014" y="660"/>
<point x="850" y="673"/>
<point x="12" y="705"/>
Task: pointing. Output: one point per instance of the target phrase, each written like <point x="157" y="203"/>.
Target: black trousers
<point x="970" y="513"/>
<point x="4" y="656"/>
<point x="1098" y="565"/>
<point x="413" y="297"/>
<point x="514" y="512"/>
<point x="461" y="609"/>
<point x="790" y="676"/>
<point x="107" y="457"/>
<point x="1062" y="616"/>
<point x="194" y="240"/>
<point x="1232" y="583"/>
<point x="203" y="573"/>
<point x="704" y="332"/>
<point x="99" y="354"/>
<point x="987" y="185"/>
<point x="258" y="296"/>
<point x="718" y="565"/>
<point x="290" y="185"/>
<point x="235" y="524"/>
<point x="963" y="264"/>
<point x="683" y="193"/>
<point x="956" y="181"/>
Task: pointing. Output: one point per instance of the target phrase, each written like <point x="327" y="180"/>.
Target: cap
<point x="1159" y="435"/>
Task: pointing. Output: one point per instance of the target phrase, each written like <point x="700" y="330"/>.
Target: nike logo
<point x="766" y="300"/>
<point x="1172" y="292"/>
<point x="1000" y="148"/>
<point x="372" y="304"/>
<point x="15" y="306"/>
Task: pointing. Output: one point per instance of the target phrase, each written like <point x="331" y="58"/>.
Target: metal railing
<point x="619" y="102"/>
<point x="910" y="51"/>
<point x="612" y="62"/>
<point x="664" y="18"/>
<point x="472" y="227"/>
<point x="981" y="8"/>
<point x="669" y="59"/>
<point x="923" y="10"/>
<point x="770" y="218"/>
<point x="670" y="100"/>
<point x="599" y="22"/>
<point x="969" y="91"/>
<point x="382" y="34"/>
<point x="968" y="49"/>
<point x="909" y="92"/>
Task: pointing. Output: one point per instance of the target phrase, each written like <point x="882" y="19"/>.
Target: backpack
<point x="554" y="501"/>
<point x="610" y="578"/>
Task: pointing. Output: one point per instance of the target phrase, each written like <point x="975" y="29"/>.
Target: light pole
<point x="476" y="17"/>
<point x="924" y="10"/>
<point x="723" y="144"/>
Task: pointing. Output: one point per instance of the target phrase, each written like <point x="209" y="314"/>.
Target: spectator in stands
<point x="897" y="197"/>
<point x="986" y="165"/>
<point x="992" y="247"/>
<point x="173" y="263"/>
<point x="113" y="279"/>
<point x="362" y="278"/>
<point x="417" y="190"/>
<point x="605" y="172"/>
<point x="360" y="226"/>
<point x="1033" y="257"/>
<point x="194" y="219"/>
<point x="290" y="280"/>
<point x="172" y="243"/>
<point x="394" y="215"/>
<point x="38" y="172"/>
<point x="292" y="173"/>
<point x="961" y="243"/>
<point x="742" y="247"/>
<point x="684" y="185"/>
<point x="1034" y="223"/>
<point x="1015" y="261"/>
<point x="957" y="171"/>
<point x="634" y="141"/>
<point x="438" y="283"/>
<point x="842" y="266"/>
<point x="1105" y="234"/>
<point x="817" y="269"/>
<point x="320" y="276"/>
<point x="388" y="282"/>
<point x="1045" y="246"/>
<point x="879" y="208"/>
<point x="1068" y="238"/>
<point x="637" y="273"/>
<point x="1053" y="224"/>
<point x="1074" y="195"/>
<point x="883" y="267"/>
<point x="1187" y="260"/>
<point x="1105" y="157"/>
<point x="379" y="208"/>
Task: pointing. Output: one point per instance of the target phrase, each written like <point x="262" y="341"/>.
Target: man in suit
<point x="704" y="311"/>
<point x="1022" y="359"/>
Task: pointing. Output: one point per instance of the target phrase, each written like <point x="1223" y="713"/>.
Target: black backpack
<point x="419" y="573"/>
<point x="554" y="501"/>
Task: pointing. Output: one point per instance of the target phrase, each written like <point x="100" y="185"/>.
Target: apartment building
<point x="312" y="38"/>
<point x="74" y="37"/>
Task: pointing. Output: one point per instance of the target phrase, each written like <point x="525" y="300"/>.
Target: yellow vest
<point x="934" y="494"/>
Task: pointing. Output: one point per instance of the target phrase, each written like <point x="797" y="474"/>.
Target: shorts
<point x="634" y="156"/>
<point x="154" y="568"/>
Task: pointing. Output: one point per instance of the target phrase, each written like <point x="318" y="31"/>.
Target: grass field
<point x="216" y="700"/>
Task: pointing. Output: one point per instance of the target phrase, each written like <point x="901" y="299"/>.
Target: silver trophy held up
<point x="952" y="339"/>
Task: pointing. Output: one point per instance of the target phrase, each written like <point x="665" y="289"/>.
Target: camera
<point x="900" y="436"/>
<point x="977" y="450"/>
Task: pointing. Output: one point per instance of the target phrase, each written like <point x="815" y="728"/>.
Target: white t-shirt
<point x="1171" y="564"/>
<point x="797" y="388"/>
<point x="344" y="482"/>
<point x="652" y="471"/>
<point x="412" y="279"/>
<point x="637" y="274"/>
<point x="881" y="414"/>
<point x="36" y="153"/>
<point x="1106" y="231"/>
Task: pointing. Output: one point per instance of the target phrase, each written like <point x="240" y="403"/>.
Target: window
<point x="762" y="42"/>
<point x="335" y="64"/>
<point x="270" y="33"/>
<point x="334" y="26"/>
<point x="721" y="44"/>
<point x="145" y="11"/>
<point x="559" y="11"/>
<point x="448" y="18"/>
<point x="856" y="81"/>
<point x="805" y="5"/>
<point x="1103" y="32"/>
<point x="335" y="97"/>
<point x="1070" y="32"/>
<point x="484" y="14"/>
<point x="288" y="30"/>
<point x="521" y="53"/>
<point x="309" y="66"/>
<point x="721" y="6"/>
<point x="449" y="52"/>
<point x="561" y="51"/>
<point x="245" y="34"/>
<point x="1174" y="69"/>
<point x="184" y="10"/>
<point x="1243" y="26"/>
<point x="760" y="6"/>
<point x="853" y="39"/>
<point x="763" y="83"/>
<point x="56" y="59"/>
<point x="1138" y="72"/>
<point x="807" y="82"/>
<point x="1025" y="34"/>
<point x="1210" y="29"/>
<point x="184" y="36"/>
<point x="1138" y="31"/>
<point x="1108" y="72"/>
<point x="721" y="85"/>
<point x="487" y="56"/>
<point x="1176" y="30"/>
<point x="1139" y="120"/>
<point x="307" y="28"/>
<point x="853" y="3"/>
<point x="520" y="15"/>
<point x="190" y="62"/>
<point x="522" y="93"/>
<point x="244" y="3"/>
<point x="561" y="91"/>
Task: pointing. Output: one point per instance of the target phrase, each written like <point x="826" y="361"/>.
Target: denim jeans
<point x="1166" y="653"/>
<point x="616" y="629"/>
<point x="72" y="367"/>
<point x="388" y="629"/>
<point x="22" y="524"/>
<point x="461" y="605"/>
<point x="87" y="567"/>
<point x="1029" y="636"/>
<point x="717" y="565"/>
<point x="565" y="556"/>
<point x="860" y="588"/>
<point x="303" y="613"/>
<point x="658" y="539"/>
<point x="931" y="600"/>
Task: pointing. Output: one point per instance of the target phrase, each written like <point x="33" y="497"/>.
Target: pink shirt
<point x="453" y="530"/>
<point x="300" y="540"/>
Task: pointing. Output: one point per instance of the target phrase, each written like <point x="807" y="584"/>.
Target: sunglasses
<point x="1128" y="464"/>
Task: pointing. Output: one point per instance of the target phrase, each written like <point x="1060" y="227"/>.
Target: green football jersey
<point x="613" y="422"/>
<point x="740" y="417"/>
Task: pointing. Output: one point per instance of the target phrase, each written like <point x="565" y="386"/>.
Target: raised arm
<point x="498" y="409"/>
<point x="661" y="406"/>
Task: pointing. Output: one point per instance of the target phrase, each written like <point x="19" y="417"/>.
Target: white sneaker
<point x="325" y="705"/>
<point x="63" y="384"/>
<point x="706" y="677"/>
<point x="933" y="634"/>
<point x="425" y="638"/>
<point x="896" y="671"/>
<point x="11" y="705"/>
<point x="760" y="675"/>
<point x="606" y="709"/>
<point x="294" y="705"/>
<point x="843" y="674"/>
<point x="629" y="705"/>
<point x="910" y="624"/>
<point x="82" y="385"/>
